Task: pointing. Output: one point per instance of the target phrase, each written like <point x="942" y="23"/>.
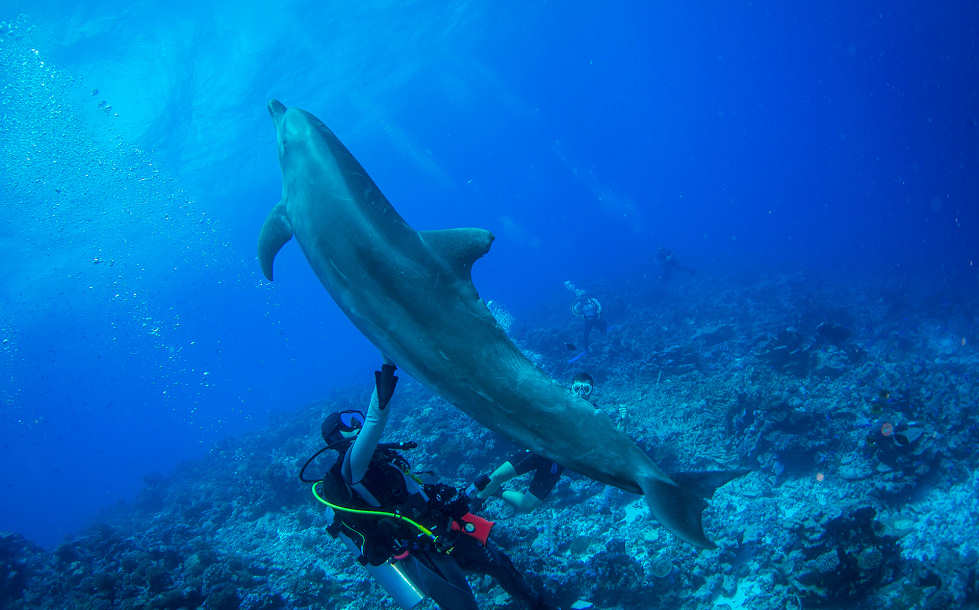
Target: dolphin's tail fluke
<point x="276" y="231"/>
<point x="679" y="506"/>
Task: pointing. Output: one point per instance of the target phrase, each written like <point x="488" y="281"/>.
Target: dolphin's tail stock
<point x="276" y="231"/>
<point x="679" y="507"/>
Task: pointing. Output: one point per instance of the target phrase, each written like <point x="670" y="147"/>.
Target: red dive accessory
<point x="473" y="525"/>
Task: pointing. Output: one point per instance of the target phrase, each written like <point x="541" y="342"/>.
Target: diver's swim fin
<point x="385" y="381"/>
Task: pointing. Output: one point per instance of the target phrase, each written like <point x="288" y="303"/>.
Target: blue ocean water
<point x="138" y="162"/>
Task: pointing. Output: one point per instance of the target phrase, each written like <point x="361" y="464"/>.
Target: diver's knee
<point x="505" y="472"/>
<point x="501" y="475"/>
<point x="521" y="502"/>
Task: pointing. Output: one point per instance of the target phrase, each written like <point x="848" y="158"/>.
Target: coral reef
<point x="855" y="410"/>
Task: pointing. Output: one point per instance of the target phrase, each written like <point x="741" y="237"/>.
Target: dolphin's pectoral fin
<point x="276" y="231"/>
<point x="459" y="248"/>
<point x="679" y="507"/>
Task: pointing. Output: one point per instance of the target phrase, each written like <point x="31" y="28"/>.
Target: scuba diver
<point x="667" y="263"/>
<point x="589" y="309"/>
<point x="415" y="539"/>
<point x="546" y="472"/>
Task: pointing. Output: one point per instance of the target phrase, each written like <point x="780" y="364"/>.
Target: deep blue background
<point x="838" y="139"/>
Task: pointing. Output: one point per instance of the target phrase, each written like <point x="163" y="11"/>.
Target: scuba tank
<point x="390" y="576"/>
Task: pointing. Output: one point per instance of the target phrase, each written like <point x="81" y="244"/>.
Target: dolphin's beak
<point x="276" y="109"/>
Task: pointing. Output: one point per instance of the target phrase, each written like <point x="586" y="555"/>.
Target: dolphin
<point x="411" y="294"/>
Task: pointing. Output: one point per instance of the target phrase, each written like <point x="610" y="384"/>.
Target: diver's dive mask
<point x="351" y="420"/>
<point x="337" y="423"/>
<point x="582" y="385"/>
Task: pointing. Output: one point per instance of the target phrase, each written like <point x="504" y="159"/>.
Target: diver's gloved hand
<point x="385" y="381"/>
<point x="477" y="486"/>
<point x="481" y="482"/>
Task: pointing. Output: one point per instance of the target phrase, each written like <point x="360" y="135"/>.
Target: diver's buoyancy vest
<point x="388" y="489"/>
<point x="388" y="481"/>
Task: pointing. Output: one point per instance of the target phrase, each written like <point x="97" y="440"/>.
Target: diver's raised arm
<point x="358" y="459"/>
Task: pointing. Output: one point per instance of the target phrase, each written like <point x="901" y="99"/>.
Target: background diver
<point x="589" y="309"/>
<point x="668" y="264"/>
<point x="424" y="532"/>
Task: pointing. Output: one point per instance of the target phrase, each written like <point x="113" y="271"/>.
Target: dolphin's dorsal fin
<point x="459" y="248"/>
<point x="276" y="231"/>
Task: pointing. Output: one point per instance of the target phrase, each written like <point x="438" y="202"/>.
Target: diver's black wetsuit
<point x="452" y="591"/>
<point x="546" y="472"/>
<point x="439" y="575"/>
